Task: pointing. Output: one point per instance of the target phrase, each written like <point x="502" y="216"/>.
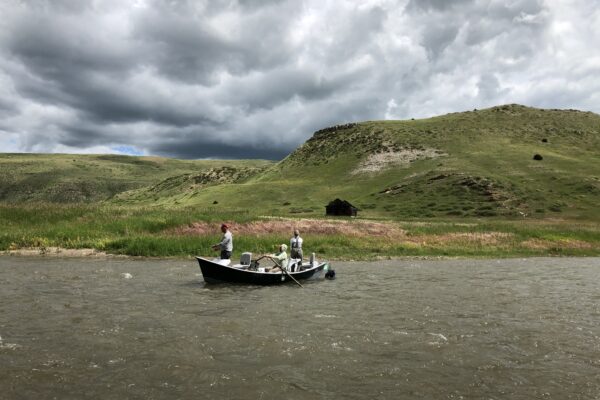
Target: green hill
<point x="177" y="189"/>
<point x="65" y="178"/>
<point x="505" y="181"/>
<point x="470" y="164"/>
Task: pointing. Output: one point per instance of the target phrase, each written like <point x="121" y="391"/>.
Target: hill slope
<point x="66" y="178"/>
<point x="473" y="164"/>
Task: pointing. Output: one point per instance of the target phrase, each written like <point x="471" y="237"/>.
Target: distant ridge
<point x="72" y="178"/>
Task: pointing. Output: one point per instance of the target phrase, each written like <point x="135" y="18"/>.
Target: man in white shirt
<point x="226" y="243"/>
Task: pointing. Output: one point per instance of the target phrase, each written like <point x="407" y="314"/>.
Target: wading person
<point x="281" y="259"/>
<point x="296" y="247"/>
<point x="226" y="243"/>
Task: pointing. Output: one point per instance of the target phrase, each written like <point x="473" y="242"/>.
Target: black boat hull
<point x="213" y="272"/>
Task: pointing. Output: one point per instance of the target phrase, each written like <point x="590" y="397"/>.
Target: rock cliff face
<point x="334" y="128"/>
<point x="377" y="162"/>
<point x="329" y="143"/>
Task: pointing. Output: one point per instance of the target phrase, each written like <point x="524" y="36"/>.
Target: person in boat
<point x="226" y="243"/>
<point x="281" y="259"/>
<point x="296" y="246"/>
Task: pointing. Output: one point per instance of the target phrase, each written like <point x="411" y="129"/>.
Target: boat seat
<point x="246" y="258"/>
<point x="313" y="259"/>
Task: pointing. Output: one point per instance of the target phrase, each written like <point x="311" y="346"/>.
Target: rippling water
<point x="114" y="329"/>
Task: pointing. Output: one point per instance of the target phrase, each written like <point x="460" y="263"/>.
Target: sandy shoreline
<point x="59" y="252"/>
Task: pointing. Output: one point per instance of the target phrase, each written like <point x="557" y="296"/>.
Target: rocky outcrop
<point x="335" y="128"/>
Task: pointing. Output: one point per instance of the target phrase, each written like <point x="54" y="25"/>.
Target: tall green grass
<point x="140" y="231"/>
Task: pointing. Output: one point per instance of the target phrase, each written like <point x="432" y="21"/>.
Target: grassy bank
<point x="186" y="232"/>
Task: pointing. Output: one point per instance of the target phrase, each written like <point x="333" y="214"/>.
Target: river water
<point x="151" y="329"/>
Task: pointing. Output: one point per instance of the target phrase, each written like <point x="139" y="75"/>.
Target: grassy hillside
<point x="64" y="178"/>
<point x="471" y="164"/>
<point x="463" y="184"/>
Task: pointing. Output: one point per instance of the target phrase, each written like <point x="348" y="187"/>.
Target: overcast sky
<point x="255" y="79"/>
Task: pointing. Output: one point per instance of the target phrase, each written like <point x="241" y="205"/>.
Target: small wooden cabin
<point x="340" y="207"/>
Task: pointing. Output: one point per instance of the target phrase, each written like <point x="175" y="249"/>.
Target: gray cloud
<point x="428" y="5"/>
<point x="247" y="79"/>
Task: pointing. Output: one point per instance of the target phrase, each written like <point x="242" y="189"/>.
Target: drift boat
<point x="250" y="272"/>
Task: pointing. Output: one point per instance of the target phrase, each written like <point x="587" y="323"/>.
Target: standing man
<point x="296" y="246"/>
<point x="226" y="243"/>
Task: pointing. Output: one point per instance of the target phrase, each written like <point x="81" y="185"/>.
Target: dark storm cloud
<point x="280" y="86"/>
<point x="244" y="79"/>
<point x="56" y="46"/>
<point x="187" y="44"/>
<point x="201" y="149"/>
<point x="489" y="87"/>
<point x="472" y="24"/>
<point x="6" y="107"/>
<point x="436" y="39"/>
<point x="61" y="6"/>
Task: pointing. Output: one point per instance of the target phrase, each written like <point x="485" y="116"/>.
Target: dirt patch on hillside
<point x="285" y="227"/>
<point x="379" y="161"/>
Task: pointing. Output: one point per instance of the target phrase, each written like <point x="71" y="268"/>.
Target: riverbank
<point x="102" y="231"/>
<point x="58" y="252"/>
<point x="346" y="249"/>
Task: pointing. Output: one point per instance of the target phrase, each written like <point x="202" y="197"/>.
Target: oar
<point x="294" y="279"/>
<point x="287" y="273"/>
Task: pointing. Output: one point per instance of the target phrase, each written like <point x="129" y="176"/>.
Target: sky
<point x="254" y="79"/>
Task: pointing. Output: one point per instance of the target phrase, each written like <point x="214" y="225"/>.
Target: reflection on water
<point x="501" y="329"/>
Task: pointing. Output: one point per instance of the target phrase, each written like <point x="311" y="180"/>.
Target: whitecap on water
<point x="324" y="316"/>
<point x="8" y="346"/>
<point x="444" y="338"/>
<point x="339" y="346"/>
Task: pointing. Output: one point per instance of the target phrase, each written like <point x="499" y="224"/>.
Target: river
<point x="113" y="328"/>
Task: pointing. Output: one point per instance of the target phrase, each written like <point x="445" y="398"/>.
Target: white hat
<point x="283" y="247"/>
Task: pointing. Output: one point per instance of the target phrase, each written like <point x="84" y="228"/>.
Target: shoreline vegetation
<point x="108" y="230"/>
